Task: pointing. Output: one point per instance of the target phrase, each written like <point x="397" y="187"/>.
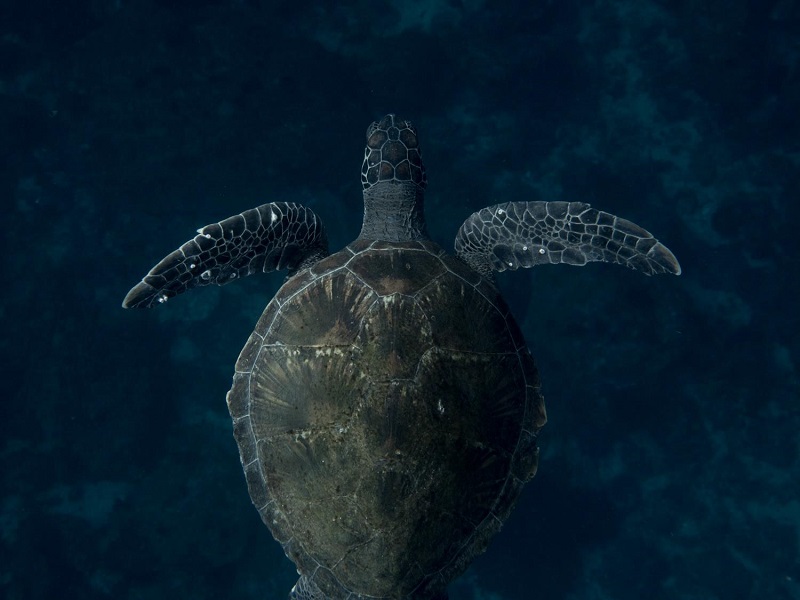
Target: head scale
<point x="392" y="154"/>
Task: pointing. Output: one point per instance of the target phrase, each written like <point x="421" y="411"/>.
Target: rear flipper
<point x="305" y="589"/>
<point x="279" y="235"/>
<point x="524" y="234"/>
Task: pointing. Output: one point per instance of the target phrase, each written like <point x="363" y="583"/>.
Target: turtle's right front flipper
<point x="279" y="235"/>
<point x="525" y="234"/>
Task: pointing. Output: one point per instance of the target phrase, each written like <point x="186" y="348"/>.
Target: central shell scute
<point x="395" y="336"/>
<point x="397" y="270"/>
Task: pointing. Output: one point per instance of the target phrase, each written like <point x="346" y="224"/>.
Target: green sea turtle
<point x="386" y="406"/>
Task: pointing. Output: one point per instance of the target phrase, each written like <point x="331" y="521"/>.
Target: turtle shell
<point x="386" y="411"/>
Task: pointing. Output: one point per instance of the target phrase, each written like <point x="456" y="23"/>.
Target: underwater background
<point x="670" y="465"/>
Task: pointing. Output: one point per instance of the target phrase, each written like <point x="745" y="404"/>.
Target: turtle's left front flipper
<point x="525" y="234"/>
<point x="279" y="235"/>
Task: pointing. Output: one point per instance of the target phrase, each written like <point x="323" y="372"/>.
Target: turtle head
<point x="393" y="178"/>
<point x="392" y="154"/>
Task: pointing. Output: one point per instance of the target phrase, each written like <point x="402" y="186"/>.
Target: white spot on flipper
<point x="162" y="298"/>
<point x="524" y="247"/>
<point x="206" y="275"/>
<point x="542" y="250"/>
<point x="192" y="266"/>
<point x="273" y="216"/>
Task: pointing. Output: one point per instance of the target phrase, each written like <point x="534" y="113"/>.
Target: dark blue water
<point x="669" y="465"/>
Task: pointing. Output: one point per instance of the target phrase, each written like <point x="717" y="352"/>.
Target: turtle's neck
<point x="394" y="212"/>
